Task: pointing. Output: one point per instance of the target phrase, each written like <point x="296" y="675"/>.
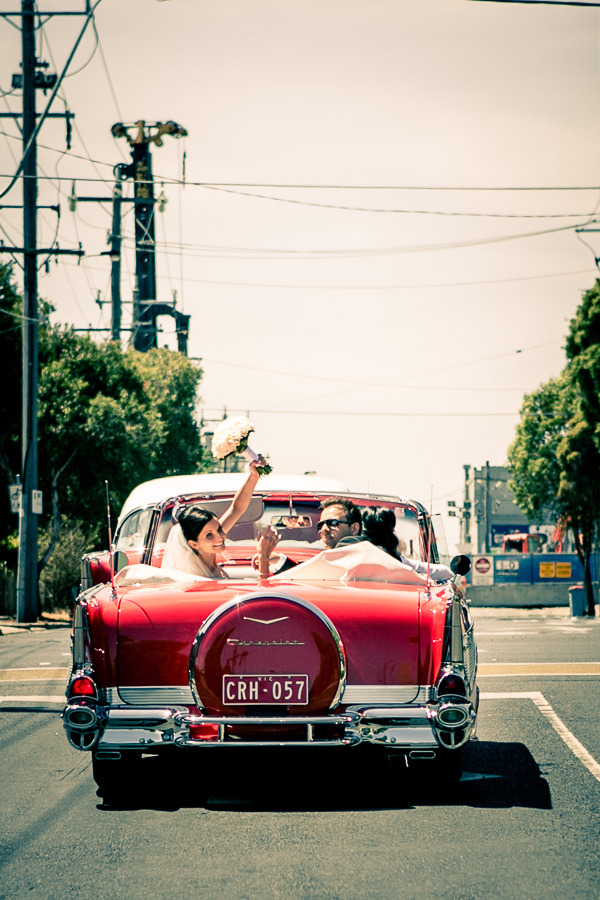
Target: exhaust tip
<point x="422" y="754"/>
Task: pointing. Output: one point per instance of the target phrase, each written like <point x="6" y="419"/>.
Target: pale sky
<point x="387" y="343"/>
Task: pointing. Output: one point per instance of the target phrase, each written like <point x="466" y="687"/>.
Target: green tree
<point x="11" y="317"/>
<point x="583" y="353"/>
<point x="555" y="457"/>
<point x="109" y="416"/>
<point x="104" y="416"/>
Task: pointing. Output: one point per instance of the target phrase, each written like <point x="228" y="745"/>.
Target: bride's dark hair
<point x="378" y="528"/>
<point x="192" y="520"/>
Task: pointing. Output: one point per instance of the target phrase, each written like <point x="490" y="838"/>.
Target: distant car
<point x="524" y="542"/>
<point x="346" y="648"/>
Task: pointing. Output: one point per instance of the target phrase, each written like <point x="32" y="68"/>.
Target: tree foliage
<point x="555" y="457"/>
<point x="105" y="415"/>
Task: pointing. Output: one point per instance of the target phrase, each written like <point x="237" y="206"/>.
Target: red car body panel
<point x="379" y="628"/>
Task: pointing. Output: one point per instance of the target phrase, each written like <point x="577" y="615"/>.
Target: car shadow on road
<point x="494" y="775"/>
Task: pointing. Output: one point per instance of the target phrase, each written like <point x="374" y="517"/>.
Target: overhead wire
<point x="369" y="384"/>
<point x="378" y="287"/>
<point x="42" y="118"/>
<point x="406" y="382"/>
<point x="357" y="253"/>
<point x="167" y="179"/>
<point x="420" y="212"/>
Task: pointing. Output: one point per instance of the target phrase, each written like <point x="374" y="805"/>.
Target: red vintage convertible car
<point x="348" y="647"/>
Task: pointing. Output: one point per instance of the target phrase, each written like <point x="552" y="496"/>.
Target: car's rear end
<point x="219" y="666"/>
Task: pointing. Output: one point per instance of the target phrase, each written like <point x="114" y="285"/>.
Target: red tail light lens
<point x="82" y="686"/>
<point x="451" y="684"/>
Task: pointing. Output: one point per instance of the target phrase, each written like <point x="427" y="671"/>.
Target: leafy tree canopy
<point x="583" y="353"/>
<point x="555" y="457"/>
<point x="104" y="415"/>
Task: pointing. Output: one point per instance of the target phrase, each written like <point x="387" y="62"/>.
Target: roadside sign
<point x="483" y="570"/>
<point x="14" y="492"/>
<point x="547" y="570"/>
<point x="36" y="502"/>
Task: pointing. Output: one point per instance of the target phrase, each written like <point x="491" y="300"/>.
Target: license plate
<point x="289" y="690"/>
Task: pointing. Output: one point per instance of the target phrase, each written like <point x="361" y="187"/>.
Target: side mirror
<point x="120" y="560"/>
<point x="461" y="565"/>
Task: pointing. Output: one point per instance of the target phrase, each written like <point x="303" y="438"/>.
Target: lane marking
<point x="564" y="668"/>
<point x="34" y="698"/>
<point x="502" y="633"/>
<point x="33" y="674"/>
<point x="575" y="746"/>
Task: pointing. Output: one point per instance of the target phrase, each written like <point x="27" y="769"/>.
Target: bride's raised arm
<point x="241" y="501"/>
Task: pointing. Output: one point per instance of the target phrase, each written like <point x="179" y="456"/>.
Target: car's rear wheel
<point x="117" y="779"/>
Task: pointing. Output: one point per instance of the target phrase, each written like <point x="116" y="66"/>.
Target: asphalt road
<point x="524" y="821"/>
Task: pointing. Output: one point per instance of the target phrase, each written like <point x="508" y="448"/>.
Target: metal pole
<point x="27" y="575"/>
<point x="115" y="271"/>
<point x="145" y="249"/>
<point x="487" y="507"/>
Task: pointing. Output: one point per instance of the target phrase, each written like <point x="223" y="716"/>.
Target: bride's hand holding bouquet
<point x="231" y="437"/>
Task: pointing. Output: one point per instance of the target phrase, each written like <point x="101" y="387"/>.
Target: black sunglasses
<point x="331" y="523"/>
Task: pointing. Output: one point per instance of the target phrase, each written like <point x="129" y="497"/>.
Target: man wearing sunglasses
<point x="340" y="523"/>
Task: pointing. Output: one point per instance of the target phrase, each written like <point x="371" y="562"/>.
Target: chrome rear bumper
<point x="410" y="727"/>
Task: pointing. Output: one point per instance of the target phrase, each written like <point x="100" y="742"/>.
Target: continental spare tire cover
<point x="264" y="653"/>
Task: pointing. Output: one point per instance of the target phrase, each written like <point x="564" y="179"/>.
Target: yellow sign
<point x="563" y="570"/>
<point x="547" y="570"/>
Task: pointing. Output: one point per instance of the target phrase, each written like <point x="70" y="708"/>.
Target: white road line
<point x="34" y="698"/>
<point x="575" y="746"/>
<point x="502" y="633"/>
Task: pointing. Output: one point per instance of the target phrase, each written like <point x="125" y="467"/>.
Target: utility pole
<point x="27" y="577"/>
<point x="466" y="516"/>
<point x="32" y="77"/>
<point x="115" y="259"/>
<point x="148" y="307"/>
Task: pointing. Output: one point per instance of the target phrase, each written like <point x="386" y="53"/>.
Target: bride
<point x="193" y="543"/>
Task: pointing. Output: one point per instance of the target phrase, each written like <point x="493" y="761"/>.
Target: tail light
<point x="82" y="686"/>
<point x="451" y="683"/>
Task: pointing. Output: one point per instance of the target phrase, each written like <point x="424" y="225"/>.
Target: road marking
<point x="33" y="674"/>
<point x="502" y="633"/>
<point x="565" y="668"/>
<point x="575" y="746"/>
<point x="34" y="698"/>
<point x="572" y="630"/>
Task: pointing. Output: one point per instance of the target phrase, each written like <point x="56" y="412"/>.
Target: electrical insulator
<point x="162" y="201"/>
<point x="72" y="199"/>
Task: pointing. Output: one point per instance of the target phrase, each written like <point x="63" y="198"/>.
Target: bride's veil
<point x="179" y="555"/>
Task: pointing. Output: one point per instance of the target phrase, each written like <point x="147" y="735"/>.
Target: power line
<point x="540" y="2"/>
<point x="235" y="253"/>
<point x="419" y="212"/>
<point x="409" y="415"/>
<point x="358" y="384"/>
<point x="363" y="287"/>
<point x="330" y="187"/>
<point x="42" y="118"/>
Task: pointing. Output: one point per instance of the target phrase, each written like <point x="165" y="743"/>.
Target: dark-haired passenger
<point x="378" y="525"/>
<point x="193" y="546"/>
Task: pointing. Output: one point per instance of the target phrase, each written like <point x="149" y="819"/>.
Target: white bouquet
<point x="231" y="436"/>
